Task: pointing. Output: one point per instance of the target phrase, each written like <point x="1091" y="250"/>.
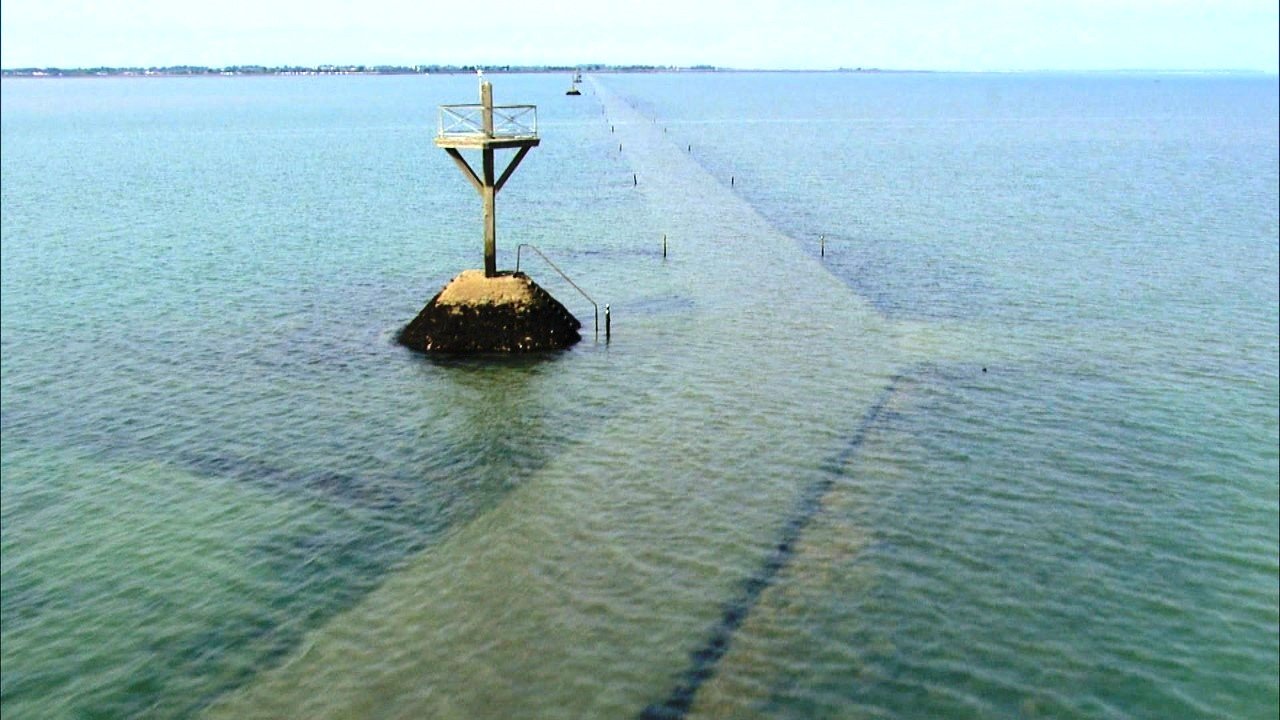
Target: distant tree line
<point x="190" y="70"/>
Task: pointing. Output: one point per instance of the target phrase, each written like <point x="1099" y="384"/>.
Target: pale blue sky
<point x="799" y="34"/>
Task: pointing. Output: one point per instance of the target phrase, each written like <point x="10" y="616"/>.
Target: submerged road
<point x="622" y="579"/>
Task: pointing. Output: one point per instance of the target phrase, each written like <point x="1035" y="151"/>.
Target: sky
<point x="961" y="35"/>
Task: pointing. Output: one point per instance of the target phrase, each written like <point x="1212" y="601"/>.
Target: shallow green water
<point x="1009" y="448"/>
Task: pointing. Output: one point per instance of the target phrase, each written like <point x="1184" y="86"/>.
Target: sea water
<point x="953" y="395"/>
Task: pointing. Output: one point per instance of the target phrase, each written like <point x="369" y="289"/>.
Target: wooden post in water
<point x="485" y="138"/>
<point x="487" y="193"/>
<point x="487" y="311"/>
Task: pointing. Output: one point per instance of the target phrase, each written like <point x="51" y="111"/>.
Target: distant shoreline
<point x="260" y="70"/>
<point x="321" y="70"/>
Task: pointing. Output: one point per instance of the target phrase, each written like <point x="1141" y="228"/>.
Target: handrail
<point x="508" y="120"/>
<point x="566" y="279"/>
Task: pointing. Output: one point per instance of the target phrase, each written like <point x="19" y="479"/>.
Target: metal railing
<point x="508" y="120"/>
<point x="542" y="255"/>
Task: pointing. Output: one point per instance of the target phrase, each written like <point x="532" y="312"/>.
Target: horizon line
<point x="515" y="68"/>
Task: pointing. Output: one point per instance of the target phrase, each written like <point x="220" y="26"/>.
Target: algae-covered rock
<point x="507" y="313"/>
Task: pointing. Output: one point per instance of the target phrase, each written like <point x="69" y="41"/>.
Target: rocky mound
<point x="508" y="313"/>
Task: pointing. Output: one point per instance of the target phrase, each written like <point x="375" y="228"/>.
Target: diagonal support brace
<point x="471" y="175"/>
<point x="524" y="150"/>
<point x="466" y="169"/>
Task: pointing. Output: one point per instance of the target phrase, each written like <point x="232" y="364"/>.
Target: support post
<point x="486" y="103"/>
<point x="489" y="189"/>
<point x="487" y="137"/>
<point x="487" y="194"/>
